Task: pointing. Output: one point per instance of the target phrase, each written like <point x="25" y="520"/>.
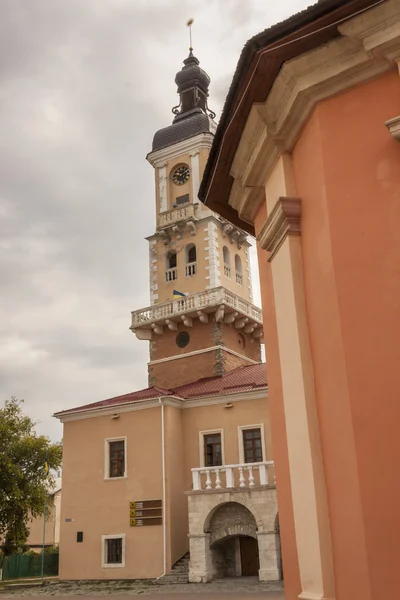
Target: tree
<point x="25" y="477"/>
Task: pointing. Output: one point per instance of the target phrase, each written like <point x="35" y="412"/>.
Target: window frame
<point x="107" y="458"/>
<point x="112" y="536"/>
<point x="242" y="428"/>
<point x="202" y="435"/>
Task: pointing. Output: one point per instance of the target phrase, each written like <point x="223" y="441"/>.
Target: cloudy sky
<point x="84" y="86"/>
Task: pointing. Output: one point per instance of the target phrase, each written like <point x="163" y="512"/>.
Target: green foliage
<point x="51" y="550"/>
<point x="23" y="475"/>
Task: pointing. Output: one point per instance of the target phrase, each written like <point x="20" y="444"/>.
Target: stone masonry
<point x="217" y="515"/>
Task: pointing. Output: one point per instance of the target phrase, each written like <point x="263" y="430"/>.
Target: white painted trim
<point x="242" y="428"/>
<point x="201" y="444"/>
<point x="164" y="489"/>
<point x="203" y="351"/>
<point x="115" y="536"/>
<point x="179" y="403"/>
<point x="195" y="168"/>
<point x="107" y="458"/>
<point x="203" y="140"/>
<point x="162" y="188"/>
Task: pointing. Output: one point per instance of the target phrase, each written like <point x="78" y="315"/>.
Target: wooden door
<point x="249" y="556"/>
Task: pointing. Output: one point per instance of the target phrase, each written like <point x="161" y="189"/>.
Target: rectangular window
<point x="212" y="450"/>
<point x="116" y="459"/>
<point x="252" y="445"/>
<point x="113" y="550"/>
<point x="182" y="199"/>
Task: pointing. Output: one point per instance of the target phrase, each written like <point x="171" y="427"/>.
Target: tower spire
<point x="189" y="24"/>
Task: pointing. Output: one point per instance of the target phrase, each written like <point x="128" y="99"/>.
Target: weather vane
<point x="189" y="24"/>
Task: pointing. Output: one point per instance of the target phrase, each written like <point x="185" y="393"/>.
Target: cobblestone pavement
<point x="236" y="587"/>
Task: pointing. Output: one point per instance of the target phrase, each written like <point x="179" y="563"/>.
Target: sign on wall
<point x="145" y="512"/>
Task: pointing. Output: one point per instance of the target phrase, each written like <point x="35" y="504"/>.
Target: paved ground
<point x="237" y="588"/>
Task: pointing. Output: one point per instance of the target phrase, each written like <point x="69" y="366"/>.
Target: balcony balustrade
<point x="227" y="270"/>
<point x="170" y="217"/>
<point x="191" y="269"/>
<point x="225" y="477"/>
<point x="239" y="278"/>
<point x="171" y="274"/>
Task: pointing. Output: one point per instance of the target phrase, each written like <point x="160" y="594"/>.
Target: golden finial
<point x="189" y="24"/>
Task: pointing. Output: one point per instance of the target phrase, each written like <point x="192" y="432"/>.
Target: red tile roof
<point x="242" y="379"/>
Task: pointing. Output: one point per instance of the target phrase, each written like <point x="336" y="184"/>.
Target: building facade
<point x="316" y="175"/>
<point x="180" y="473"/>
<point x="53" y="516"/>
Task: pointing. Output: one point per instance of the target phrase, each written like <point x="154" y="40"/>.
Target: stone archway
<point x="217" y="519"/>
<point x="233" y="541"/>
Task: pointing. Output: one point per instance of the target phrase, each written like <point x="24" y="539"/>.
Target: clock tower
<point x="201" y="321"/>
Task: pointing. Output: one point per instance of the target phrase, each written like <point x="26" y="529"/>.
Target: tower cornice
<point x="193" y="144"/>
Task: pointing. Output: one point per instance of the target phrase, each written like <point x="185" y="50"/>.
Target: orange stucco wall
<point x="347" y="174"/>
<point x="278" y="427"/>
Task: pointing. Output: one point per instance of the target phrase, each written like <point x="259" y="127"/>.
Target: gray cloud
<point x="84" y="86"/>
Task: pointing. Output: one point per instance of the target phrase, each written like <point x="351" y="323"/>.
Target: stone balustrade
<point x="194" y="304"/>
<point x="176" y="215"/>
<point x="242" y="476"/>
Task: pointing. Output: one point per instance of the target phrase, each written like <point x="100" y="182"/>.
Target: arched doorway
<point x="233" y="541"/>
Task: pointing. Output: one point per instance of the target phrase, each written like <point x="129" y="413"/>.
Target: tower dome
<point x="192" y="115"/>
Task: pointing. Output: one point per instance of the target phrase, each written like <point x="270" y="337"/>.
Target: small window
<point x="212" y="450"/>
<point x="116" y="458"/>
<point x="227" y="261"/>
<point x="182" y="339"/>
<point x="238" y="269"/>
<point x="191" y="254"/>
<point x="252" y="445"/>
<point x="113" y="550"/>
<point x="171" y="260"/>
<point x="182" y="199"/>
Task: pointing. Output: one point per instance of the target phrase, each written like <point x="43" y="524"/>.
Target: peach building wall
<point x="102" y="506"/>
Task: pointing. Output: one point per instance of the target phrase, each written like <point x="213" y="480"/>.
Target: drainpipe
<point x="163" y="490"/>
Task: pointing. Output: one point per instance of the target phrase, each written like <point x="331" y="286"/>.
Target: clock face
<point x="181" y="175"/>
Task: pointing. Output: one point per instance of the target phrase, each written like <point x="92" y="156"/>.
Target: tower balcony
<point x="217" y="303"/>
<point x="176" y="215"/>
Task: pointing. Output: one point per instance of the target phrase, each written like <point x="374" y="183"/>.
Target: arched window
<point x="171" y="272"/>
<point x="238" y="269"/>
<point x="190" y="252"/>
<point x="227" y="261"/>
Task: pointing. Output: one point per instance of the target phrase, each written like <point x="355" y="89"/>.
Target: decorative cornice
<point x="203" y="351"/>
<point x="193" y="144"/>
<point x="173" y="401"/>
<point x="284" y="220"/>
<point x="394" y="127"/>
<point x="369" y="47"/>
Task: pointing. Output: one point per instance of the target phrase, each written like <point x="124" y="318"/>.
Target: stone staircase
<point x="179" y="572"/>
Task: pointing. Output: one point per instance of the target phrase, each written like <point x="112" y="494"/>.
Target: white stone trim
<point x="212" y="255"/>
<point x="201" y="443"/>
<point x="162" y="188"/>
<point x="195" y="168"/>
<point x="107" y="458"/>
<point x="369" y="47"/>
<point x="173" y="401"/>
<point x="153" y="271"/>
<point x="202" y="351"/>
<point x="203" y="140"/>
<point x="242" y="428"/>
<point x="115" y="536"/>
